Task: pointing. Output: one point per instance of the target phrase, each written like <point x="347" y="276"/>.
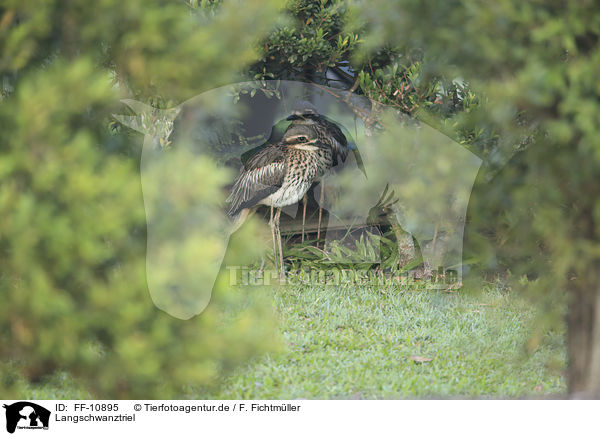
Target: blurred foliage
<point x="536" y="62"/>
<point x="514" y="82"/>
<point x="157" y="48"/>
<point x="72" y="219"/>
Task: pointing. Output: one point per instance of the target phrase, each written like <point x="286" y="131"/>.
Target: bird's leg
<point x="320" y="211"/>
<point x="277" y="216"/>
<point x="259" y="273"/>
<point x="304" y="201"/>
<point x="272" y="225"/>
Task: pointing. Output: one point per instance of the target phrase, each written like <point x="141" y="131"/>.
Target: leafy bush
<point x="72" y="219"/>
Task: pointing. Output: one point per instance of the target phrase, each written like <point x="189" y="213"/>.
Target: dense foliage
<point x="72" y="220"/>
<point x="515" y="82"/>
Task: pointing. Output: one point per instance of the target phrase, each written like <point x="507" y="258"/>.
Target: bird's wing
<point x="341" y="146"/>
<point x="338" y="140"/>
<point x="260" y="176"/>
<point x="337" y="133"/>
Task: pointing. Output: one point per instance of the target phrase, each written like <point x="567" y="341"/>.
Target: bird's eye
<point x="302" y="138"/>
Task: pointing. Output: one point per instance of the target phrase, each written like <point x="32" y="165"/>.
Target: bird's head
<point x="303" y="111"/>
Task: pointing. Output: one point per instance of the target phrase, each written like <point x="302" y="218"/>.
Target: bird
<point x="305" y="113"/>
<point x="279" y="175"/>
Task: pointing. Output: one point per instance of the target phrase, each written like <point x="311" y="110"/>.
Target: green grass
<point x="357" y="342"/>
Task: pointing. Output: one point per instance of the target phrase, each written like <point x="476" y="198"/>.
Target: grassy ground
<point x="365" y="342"/>
<point x="362" y="342"/>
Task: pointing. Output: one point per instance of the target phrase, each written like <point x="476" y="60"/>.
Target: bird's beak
<point x="293" y="117"/>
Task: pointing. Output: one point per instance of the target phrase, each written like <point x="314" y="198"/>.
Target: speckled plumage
<point x="329" y="133"/>
<point x="280" y="174"/>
